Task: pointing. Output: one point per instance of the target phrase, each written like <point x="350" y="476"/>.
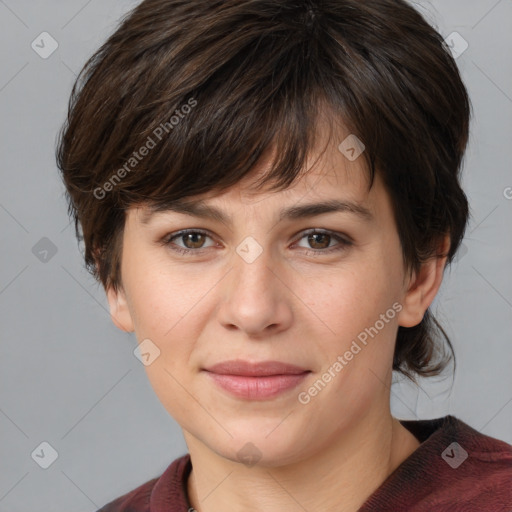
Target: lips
<point x="262" y="369"/>
<point x="256" y="381"/>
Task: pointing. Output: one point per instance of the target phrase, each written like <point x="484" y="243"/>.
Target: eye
<point x="193" y="239"/>
<point x="320" y="241"/>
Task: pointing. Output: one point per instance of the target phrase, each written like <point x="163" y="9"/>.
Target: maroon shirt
<point x="473" y="475"/>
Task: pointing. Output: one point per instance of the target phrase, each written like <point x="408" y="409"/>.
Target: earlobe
<point x="119" y="311"/>
<point x="423" y="287"/>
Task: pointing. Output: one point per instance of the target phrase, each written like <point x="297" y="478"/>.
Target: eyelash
<point x="342" y="245"/>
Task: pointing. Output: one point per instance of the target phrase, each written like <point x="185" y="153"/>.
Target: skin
<point x="203" y="308"/>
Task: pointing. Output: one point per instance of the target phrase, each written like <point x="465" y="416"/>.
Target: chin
<point x="254" y="447"/>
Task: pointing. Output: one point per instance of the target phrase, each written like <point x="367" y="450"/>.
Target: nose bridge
<point x="252" y="266"/>
<point x="253" y="299"/>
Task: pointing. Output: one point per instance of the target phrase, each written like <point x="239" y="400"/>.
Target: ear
<point x="423" y="287"/>
<point x="119" y="311"/>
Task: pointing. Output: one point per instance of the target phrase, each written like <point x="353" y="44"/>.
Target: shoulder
<point x="485" y="457"/>
<point x="144" y="497"/>
<point x="468" y="444"/>
<point x="455" y="469"/>
<point x="479" y="451"/>
<point x="136" y="500"/>
<point x="466" y="468"/>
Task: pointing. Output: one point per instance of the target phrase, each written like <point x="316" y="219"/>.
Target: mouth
<point x="256" y="381"/>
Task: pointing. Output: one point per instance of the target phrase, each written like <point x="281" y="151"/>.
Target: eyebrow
<point x="202" y="210"/>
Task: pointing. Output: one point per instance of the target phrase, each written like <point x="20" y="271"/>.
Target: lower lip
<point x="257" y="388"/>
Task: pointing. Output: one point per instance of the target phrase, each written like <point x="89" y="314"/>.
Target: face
<point x="323" y="292"/>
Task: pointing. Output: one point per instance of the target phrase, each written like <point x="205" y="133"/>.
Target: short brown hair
<point x="253" y="74"/>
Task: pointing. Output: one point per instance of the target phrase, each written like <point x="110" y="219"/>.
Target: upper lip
<point x="259" y="369"/>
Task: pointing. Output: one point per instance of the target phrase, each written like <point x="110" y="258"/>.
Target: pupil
<point x="313" y="238"/>
<point x="192" y="237"/>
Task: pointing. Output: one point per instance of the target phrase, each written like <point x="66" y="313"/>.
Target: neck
<point x="340" y="477"/>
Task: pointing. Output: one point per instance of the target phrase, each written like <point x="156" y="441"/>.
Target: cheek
<point x="353" y="297"/>
<point x="165" y="306"/>
<point x="171" y="306"/>
<point x="161" y="294"/>
<point x="169" y="317"/>
<point x="358" y="323"/>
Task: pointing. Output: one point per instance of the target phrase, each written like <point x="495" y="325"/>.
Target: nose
<point x="257" y="299"/>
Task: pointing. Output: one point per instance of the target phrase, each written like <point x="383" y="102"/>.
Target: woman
<point x="269" y="193"/>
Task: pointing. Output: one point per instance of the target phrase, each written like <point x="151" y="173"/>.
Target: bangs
<point x="215" y="134"/>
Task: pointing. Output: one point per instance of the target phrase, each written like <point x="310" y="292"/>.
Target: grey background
<point x="70" y="378"/>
